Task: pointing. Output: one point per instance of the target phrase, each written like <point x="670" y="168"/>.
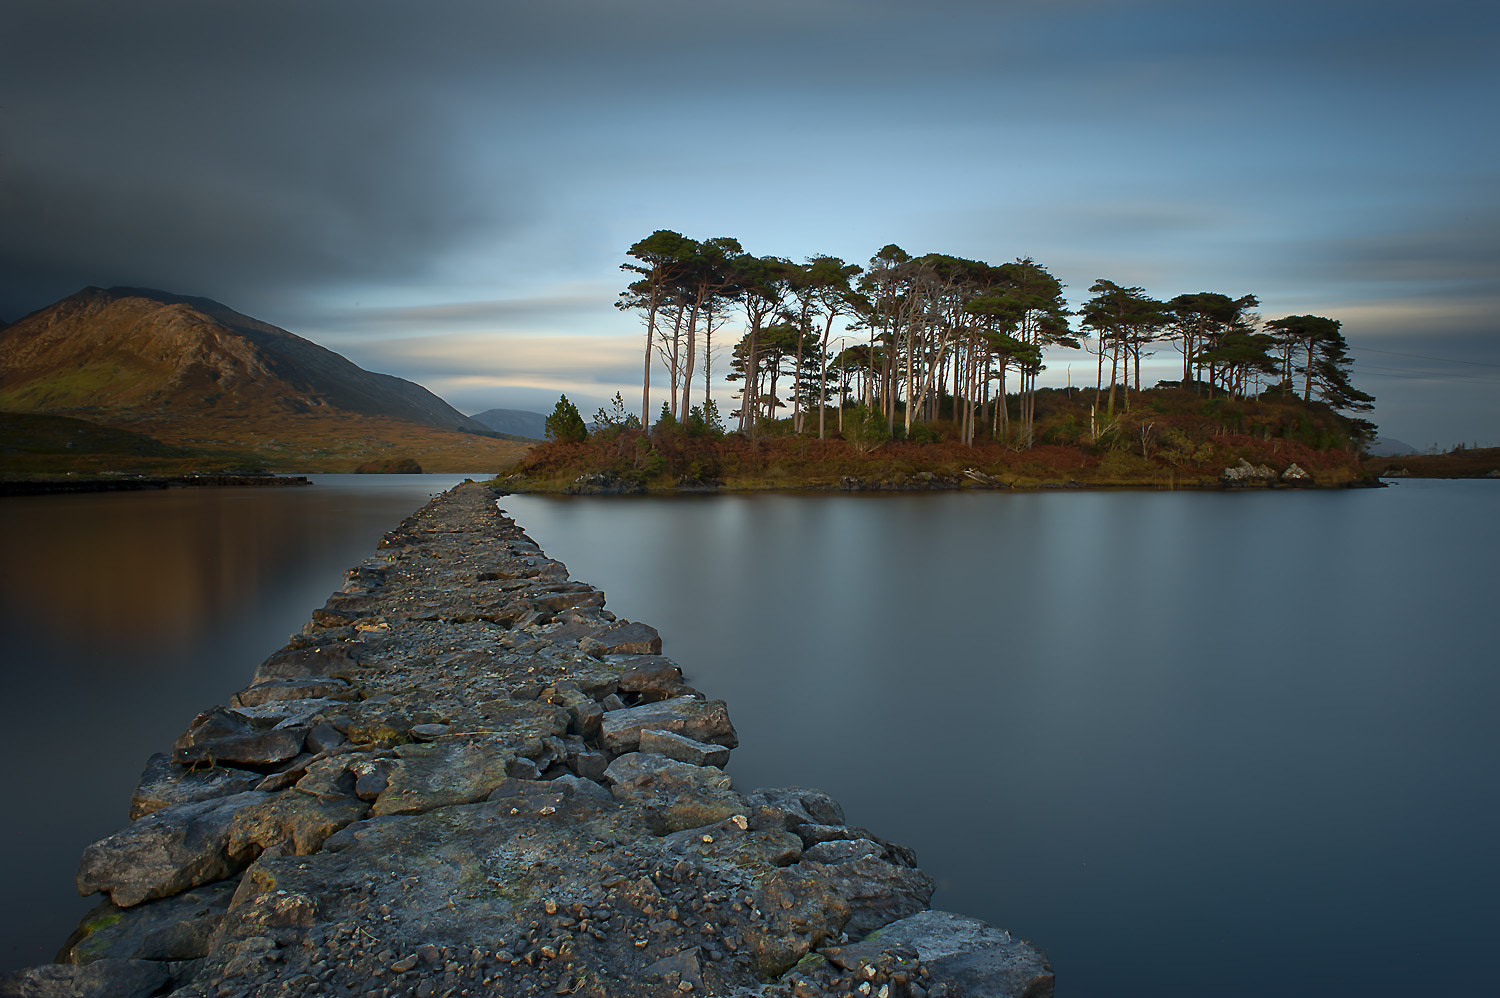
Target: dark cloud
<point x="229" y="155"/>
<point x="327" y="165"/>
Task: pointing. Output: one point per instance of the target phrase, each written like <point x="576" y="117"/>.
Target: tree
<point x="711" y="274"/>
<point x="1330" y="374"/>
<point x="565" y="423"/>
<point x="1198" y="322"/>
<point x="662" y="257"/>
<point x="762" y="283"/>
<point x="823" y="288"/>
<point x="1303" y="334"/>
<point x="1239" y="354"/>
<point x="1126" y="319"/>
<point x="615" y="418"/>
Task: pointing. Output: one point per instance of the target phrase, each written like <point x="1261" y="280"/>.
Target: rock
<point x="165" y="852"/>
<point x="673" y="795"/>
<point x="973" y="956"/>
<point x="801" y="912"/>
<point x="219" y="736"/>
<point x="298" y="823"/>
<point x="653" y="677"/>
<point x="100" y="979"/>
<point x="789" y="807"/>
<point x="700" y="720"/>
<point x="1293" y="473"/>
<point x="320" y="688"/>
<point x="1246" y="473"/>
<point x="682" y="748"/>
<point x="623" y="638"/>
<point x="876" y="892"/>
<point x="726" y="842"/>
<point x="681" y="966"/>
<point x="164" y="783"/>
<point x="457" y="769"/>
<point x="842" y="851"/>
<point x="588" y="764"/>
<point x="323" y="737"/>
<point x="580" y="785"/>
<point x="429" y="732"/>
<point x="371" y="777"/>
<point x="174" y="928"/>
<point x="321" y="663"/>
<point x="290" y="713"/>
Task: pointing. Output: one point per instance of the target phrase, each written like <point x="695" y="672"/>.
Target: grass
<point x="1170" y="439"/>
<point x="36" y="445"/>
<point x="1469" y="462"/>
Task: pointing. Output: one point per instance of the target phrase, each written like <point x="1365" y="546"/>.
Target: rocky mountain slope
<point x="517" y="422"/>
<point x="137" y="350"/>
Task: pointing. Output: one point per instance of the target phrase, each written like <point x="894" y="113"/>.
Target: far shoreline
<point x="139" y="483"/>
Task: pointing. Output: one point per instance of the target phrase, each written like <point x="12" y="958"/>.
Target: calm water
<point x="123" y="615"/>
<point x="1192" y="744"/>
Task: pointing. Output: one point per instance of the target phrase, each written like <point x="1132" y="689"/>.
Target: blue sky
<point x="445" y="191"/>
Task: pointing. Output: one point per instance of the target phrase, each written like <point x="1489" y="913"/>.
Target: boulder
<point x="166" y="852"/>
<point x="174" y="928"/>
<point x="334" y="660"/>
<point x="319" y="688"/>
<point x="164" y="783"/>
<point x="700" y="720"/>
<point x="1245" y="473"/>
<point x="459" y="769"/>
<point x="732" y="842"/>
<point x="298" y="823"/>
<point x="682" y="748"/>
<point x="790" y="807"/>
<point x="673" y="795"/>
<point x="841" y="851"/>
<point x="652" y="677"/>
<point x="100" y="979"/>
<point x="971" y="956"/>
<point x="801" y="912"/>
<point x="623" y="638"/>
<point x="876" y="892"/>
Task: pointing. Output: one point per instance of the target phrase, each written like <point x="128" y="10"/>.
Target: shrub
<point x="565" y="424"/>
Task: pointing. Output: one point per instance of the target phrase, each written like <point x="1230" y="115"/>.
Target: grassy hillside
<point x="39" y="445"/>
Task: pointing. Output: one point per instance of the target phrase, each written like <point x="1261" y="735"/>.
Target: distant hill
<point x="1387" y="447"/>
<point x="516" y="422"/>
<point x="208" y="387"/>
<point x="138" y="349"/>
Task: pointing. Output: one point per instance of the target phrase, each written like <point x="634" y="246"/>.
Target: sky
<point x="445" y="191"/>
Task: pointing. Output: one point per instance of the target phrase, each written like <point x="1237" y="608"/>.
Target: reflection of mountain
<point x="517" y="422"/>
<point x="138" y="351"/>
<point x="188" y="558"/>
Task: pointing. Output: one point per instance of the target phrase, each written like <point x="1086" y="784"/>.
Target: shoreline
<point x="603" y="484"/>
<point x="137" y="483"/>
<point x="466" y="777"/>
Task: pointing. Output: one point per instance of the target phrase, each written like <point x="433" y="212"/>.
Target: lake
<point x="1190" y="743"/>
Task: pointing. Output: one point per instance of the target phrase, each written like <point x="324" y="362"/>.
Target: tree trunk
<point x="687" y="379"/>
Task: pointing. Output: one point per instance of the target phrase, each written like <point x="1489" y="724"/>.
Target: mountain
<point x="158" y="355"/>
<point x="1387" y="447"/>
<point x="516" y="422"/>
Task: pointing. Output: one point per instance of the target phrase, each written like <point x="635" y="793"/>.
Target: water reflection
<point x="1194" y="744"/>
<point x="124" y="614"/>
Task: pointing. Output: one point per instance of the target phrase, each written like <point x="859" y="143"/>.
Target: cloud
<point x="568" y="305"/>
